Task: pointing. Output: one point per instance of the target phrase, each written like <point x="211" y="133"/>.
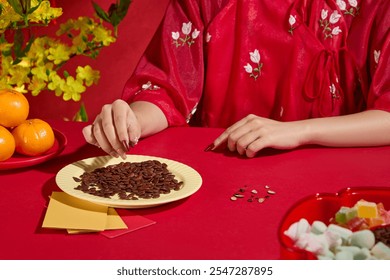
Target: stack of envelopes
<point x="80" y="216"/>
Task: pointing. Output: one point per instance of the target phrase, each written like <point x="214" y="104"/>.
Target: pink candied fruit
<point x="356" y="224"/>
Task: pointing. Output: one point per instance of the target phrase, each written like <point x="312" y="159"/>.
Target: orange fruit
<point x="33" y="137"/>
<point x="7" y="144"/>
<point x="14" y="108"/>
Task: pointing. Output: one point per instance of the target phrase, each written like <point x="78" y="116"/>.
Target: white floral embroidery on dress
<point x="254" y="72"/>
<point x="292" y="21"/>
<point x="377" y="54"/>
<point x="353" y="8"/>
<point x="148" y="86"/>
<point x="328" y="26"/>
<point x="333" y="91"/>
<point x="186" y="37"/>
<point x="208" y="37"/>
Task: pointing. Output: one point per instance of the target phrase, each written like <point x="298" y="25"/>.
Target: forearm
<point x="368" y="128"/>
<point x="151" y="119"/>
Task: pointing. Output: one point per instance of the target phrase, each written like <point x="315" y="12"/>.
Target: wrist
<point x="308" y="134"/>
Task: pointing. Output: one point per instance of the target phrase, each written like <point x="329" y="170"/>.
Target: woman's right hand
<point x="115" y="129"/>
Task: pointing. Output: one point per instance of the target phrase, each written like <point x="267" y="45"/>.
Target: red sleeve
<point x="170" y="74"/>
<point x="379" y="60"/>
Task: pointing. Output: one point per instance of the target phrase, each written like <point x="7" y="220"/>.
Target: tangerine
<point x="14" y="108"/>
<point x="33" y="137"/>
<point x="7" y="144"/>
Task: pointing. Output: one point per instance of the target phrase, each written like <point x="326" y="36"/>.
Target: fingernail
<point x="210" y="147"/>
<point x="121" y="153"/>
<point x="126" y="145"/>
<point x="114" y="154"/>
<point x="123" y="156"/>
<point x="134" y="142"/>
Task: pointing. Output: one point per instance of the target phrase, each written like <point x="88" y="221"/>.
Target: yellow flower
<point x="8" y="15"/>
<point x="36" y="85"/>
<point x="42" y="71"/>
<point x="65" y="27"/>
<point x="5" y="47"/>
<point x="72" y="89"/>
<point x="103" y="35"/>
<point x="44" y="13"/>
<point x="56" y="84"/>
<point x="18" y="75"/>
<point x="88" y="74"/>
<point x="59" y="53"/>
<point x="21" y="89"/>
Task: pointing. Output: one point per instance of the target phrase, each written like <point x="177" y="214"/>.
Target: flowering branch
<point x="32" y="63"/>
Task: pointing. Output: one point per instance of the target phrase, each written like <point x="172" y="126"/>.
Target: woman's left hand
<point x="253" y="133"/>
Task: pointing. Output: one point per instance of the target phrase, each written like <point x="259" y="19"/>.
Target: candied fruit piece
<point x="366" y="209"/>
<point x="373" y="222"/>
<point x="352" y="213"/>
<point x="341" y="215"/>
<point x="345" y="214"/>
<point x="357" y="223"/>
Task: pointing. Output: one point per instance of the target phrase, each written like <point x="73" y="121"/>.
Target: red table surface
<point x="206" y="225"/>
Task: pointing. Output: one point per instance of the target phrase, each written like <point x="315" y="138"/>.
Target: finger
<point x="101" y="139"/>
<point x="254" y="147"/>
<point x="109" y="131"/>
<point x="120" y="110"/>
<point x="224" y="136"/>
<point x="246" y="139"/>
<point x="134" y="128"/>
<point x="88" y="135"/>
<point x="239" y="135"/>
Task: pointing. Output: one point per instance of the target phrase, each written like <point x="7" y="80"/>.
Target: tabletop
<point x="207" y="225"/>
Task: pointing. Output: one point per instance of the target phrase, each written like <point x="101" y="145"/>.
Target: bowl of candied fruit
<point x="352" y="224"/>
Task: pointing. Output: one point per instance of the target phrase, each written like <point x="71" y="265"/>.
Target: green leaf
<point x="28" y="46"/>
<point x="26" y="4"/>
<point x="18" y="42"/>
<point x="100" y="12"/>
<point x="81" y="115"/>
<point x="15" y="4"/>
<point x="2" y="38"/>
<point x="31" y="10"/>
<point x="118" y="12"/>
<point x="123" y="8"/>
<point x="16" y="61"/>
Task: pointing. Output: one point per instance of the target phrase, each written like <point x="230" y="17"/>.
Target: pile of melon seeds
<point x="253" y="195"/>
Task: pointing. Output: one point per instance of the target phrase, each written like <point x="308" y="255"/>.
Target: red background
<point x="115" y="63"/>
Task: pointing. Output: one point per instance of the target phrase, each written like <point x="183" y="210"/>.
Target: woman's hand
<point x="253" y="133"/>
<point x="115" y="129"/>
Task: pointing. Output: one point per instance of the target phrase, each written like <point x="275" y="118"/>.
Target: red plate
<point x="19" y="161"/>
<point x="322" y="207"/>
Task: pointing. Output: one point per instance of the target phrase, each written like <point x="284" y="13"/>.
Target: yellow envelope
<point x="114" y="221"/>
<point x="67" y="212"/>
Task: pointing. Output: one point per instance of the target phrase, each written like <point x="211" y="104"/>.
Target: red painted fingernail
<point x="210" y="147"/>
<point x="127" y="147"/>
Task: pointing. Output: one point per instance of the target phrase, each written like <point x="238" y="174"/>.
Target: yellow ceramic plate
<point x="190" y="177"/>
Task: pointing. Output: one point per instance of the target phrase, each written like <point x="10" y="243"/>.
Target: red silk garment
<point x="281" y="59"/>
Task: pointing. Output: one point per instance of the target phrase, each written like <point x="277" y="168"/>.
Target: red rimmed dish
<point x="20" y="161"/>
<point x="322" y="207"/>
